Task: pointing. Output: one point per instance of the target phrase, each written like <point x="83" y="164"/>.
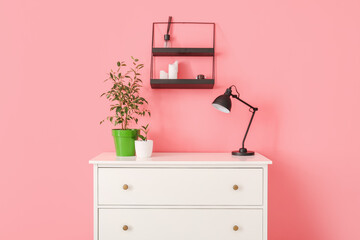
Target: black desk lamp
<point x="223" y="103"/>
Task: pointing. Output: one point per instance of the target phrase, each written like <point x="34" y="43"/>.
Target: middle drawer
<point x="167" y="186"/>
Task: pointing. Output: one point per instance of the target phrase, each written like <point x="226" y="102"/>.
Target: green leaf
<point x="118" y="64"/>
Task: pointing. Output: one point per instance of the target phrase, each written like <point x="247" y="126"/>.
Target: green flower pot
<point x="125" y="141"/>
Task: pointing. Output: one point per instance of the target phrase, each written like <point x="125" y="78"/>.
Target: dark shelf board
<point x="183" y="51"/>
<point x="182" y="83"/>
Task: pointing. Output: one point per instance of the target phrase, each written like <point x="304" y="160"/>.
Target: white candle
<point x="173" y="70"/>
<point x="163" y="75"/>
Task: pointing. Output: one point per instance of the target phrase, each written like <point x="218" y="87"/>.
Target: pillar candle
<point x="163" y="75"/>
<point x="173" y="70"/>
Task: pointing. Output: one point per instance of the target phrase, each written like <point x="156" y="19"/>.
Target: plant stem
<point x="125" y="121"/>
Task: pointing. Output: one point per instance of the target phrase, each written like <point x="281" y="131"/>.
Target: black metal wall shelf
<point x="183" y="51"/>
<point x="182" y="83"/>
<point x="190" y="52"/>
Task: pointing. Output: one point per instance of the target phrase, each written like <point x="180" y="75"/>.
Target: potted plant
<point x="144" y="147"/>
<point x="126" y="105"/>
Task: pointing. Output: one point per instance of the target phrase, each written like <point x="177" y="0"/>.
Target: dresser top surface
<point x="182" y="159"/>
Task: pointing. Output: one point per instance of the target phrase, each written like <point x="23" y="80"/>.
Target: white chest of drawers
<point x="180" y="196"/>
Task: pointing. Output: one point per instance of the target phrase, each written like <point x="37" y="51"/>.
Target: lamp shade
<point x="223" y="103"/>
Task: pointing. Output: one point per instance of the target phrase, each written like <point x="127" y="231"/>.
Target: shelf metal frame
<point x="182" y="52"/>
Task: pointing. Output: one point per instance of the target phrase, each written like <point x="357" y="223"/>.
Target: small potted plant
<point x="126" y="105"/>
<point x="144" y="147"/>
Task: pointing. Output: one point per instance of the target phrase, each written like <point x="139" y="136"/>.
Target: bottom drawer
<point x="180" y="224"/>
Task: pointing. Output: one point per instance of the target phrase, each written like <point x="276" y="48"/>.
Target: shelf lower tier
<point x="182" y="83"/>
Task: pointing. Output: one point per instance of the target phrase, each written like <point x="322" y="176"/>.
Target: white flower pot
<point x="143" y="148"/>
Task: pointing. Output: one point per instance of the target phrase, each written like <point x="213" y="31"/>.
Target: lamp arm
<point x="254" y="109"/>
<point x="247" y="130"/>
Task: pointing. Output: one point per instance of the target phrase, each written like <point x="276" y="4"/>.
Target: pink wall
<point x="298" y="61"/>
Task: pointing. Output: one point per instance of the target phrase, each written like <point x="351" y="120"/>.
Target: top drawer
<point x="154" y="186"/>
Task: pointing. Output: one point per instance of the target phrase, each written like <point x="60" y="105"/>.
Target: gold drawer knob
<point x="235" y="228"/>
<point x="235" y="187"/>
<point x="125" y="227"/>
<point x="125" y="187"/>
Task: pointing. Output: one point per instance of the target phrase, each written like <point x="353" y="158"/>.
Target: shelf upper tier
<point x="183" y="51"/>
<point x="182" y="83"/>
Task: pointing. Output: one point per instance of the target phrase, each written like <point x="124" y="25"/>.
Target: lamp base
<point x="242" y="152"/>
<point x="237" y="153"/>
